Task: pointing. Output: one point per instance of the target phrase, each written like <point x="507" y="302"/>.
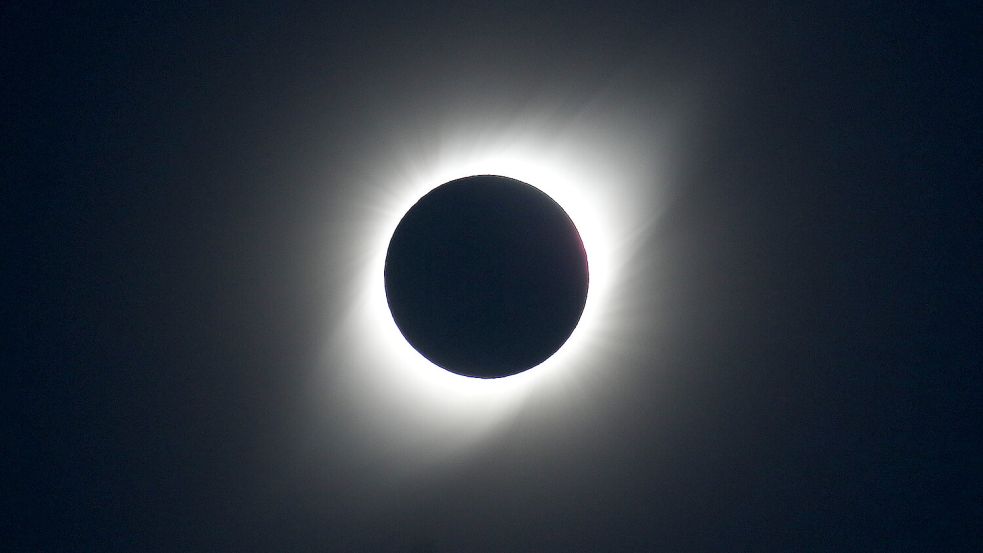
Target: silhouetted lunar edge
<point x="486" y="276"/>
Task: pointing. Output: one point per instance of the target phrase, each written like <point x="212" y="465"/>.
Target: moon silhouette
<point x="486" y="276"/>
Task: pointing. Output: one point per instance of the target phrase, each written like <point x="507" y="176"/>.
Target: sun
<point x="604" y="186"/>
<point x="572" y="194"/>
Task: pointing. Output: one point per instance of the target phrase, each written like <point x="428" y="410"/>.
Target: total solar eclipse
<point x="486" y="276"/>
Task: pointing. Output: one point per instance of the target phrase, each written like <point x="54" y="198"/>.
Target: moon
<point x="486" y="276"/>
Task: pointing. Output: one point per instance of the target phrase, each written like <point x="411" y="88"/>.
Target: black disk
<point x="486" y="276"/>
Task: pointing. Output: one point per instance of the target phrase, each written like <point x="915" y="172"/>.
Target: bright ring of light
<point x="605" y="188"/>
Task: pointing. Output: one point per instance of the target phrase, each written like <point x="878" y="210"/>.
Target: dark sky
<point x="815" y="383"/>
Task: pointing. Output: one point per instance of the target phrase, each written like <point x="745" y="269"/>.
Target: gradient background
<point x="800" y="371"/>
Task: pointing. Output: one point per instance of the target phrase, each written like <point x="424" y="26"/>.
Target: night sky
<point x="791" y="358"/>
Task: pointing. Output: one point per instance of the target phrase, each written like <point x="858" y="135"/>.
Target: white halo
<point x="418" y="411"/>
